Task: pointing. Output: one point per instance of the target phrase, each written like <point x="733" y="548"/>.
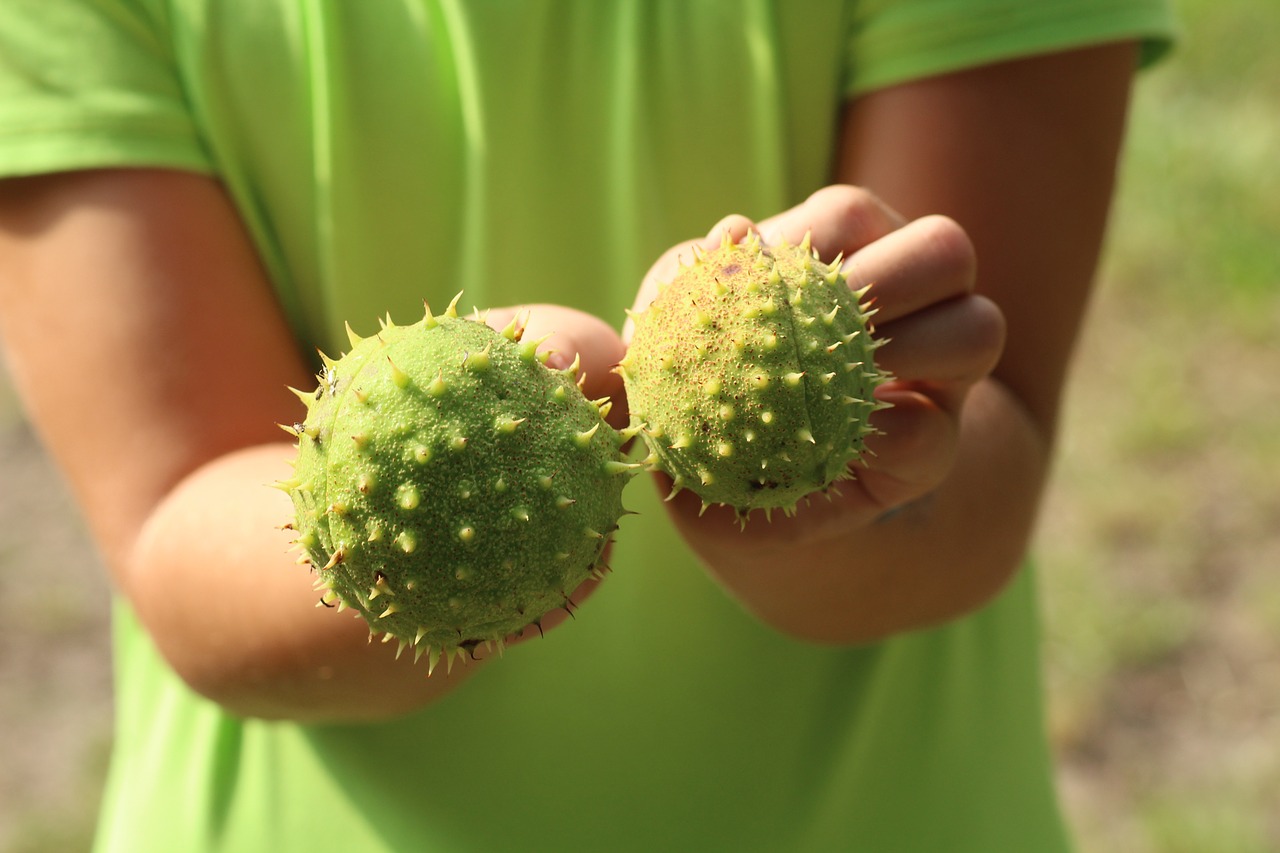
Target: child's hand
<point x="942" y="340"/>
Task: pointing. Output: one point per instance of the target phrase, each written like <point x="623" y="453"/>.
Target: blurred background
<point x="1159" y="551"/>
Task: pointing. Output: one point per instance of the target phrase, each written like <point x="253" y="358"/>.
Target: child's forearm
<point x="148" y="347"/>
<point x="213" y="578"/>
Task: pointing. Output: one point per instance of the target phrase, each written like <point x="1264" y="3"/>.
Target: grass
<point x="1160" y="544"/>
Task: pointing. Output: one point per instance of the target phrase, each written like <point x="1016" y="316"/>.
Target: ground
<point x="55" y="667"/>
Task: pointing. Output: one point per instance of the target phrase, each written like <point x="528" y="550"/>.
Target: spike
<point x="677" y="484"/>
<point x="515" y="329"/>
<point x="478" y="361"/>
<point x="583" y="439"/>
<point x="572" y="370"/>
<point x="352" y="337"/>
<point x="307" y="397"/>
<point x="508" y="425"/>
<point x="398" y="376"/>
<point x="409" y="497"/>
<point x="528" y="349"/>
<point x="452" y="310"/>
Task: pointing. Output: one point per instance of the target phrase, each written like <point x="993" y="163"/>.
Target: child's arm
<point x="1022" y="155"/>
<point x="153" y="358"/>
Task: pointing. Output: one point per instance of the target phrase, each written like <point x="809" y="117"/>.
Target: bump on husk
<point x="450" y="487"/>
<point x="753" y="373"/>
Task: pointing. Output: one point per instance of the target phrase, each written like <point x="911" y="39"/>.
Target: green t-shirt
<point x="387" y="151"/>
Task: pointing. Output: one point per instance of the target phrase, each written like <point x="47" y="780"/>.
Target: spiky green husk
<point x="450" y="487"/>
<point x="753" y="374"/>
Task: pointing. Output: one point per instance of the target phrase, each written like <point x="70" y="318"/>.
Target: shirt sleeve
<point x="91" y="83"/>
<point x="894" y="41"/>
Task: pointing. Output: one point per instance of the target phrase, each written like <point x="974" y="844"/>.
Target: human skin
<point x="106" y="352"/>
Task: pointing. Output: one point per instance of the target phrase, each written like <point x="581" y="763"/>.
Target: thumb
<point x="574" y="335"/>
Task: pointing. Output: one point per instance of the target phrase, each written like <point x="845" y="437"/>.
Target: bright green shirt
<point x="387" y="151"/>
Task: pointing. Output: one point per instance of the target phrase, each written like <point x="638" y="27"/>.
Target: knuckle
<point x="736" y="225"/>
<point x="951" y="245"/>
<point x="853" y="208"/>
<point x="985" y="338"/>
<point x="853" y="213"/>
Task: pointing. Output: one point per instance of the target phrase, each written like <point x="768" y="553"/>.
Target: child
<point x="202" y="193"/>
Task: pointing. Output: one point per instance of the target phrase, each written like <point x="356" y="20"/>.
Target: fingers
<point x="958" y="341"/>
<point x="838" y="220"/>
<point x="571" y="334"/>
<point x="927" y="261"/>
<point x="912" y="452"/>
